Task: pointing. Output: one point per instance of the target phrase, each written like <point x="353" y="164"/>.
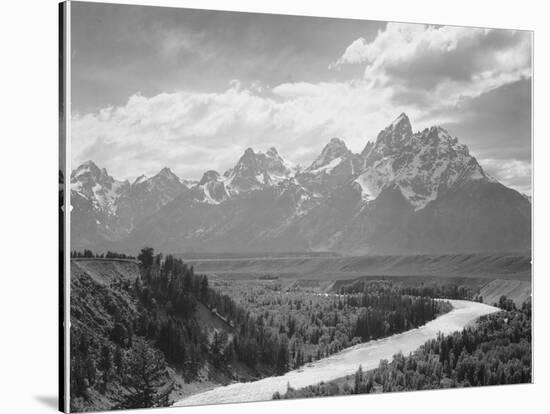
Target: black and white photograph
<point x="260" y="207"/>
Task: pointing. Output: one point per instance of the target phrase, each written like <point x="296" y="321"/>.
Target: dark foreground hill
<point x="131" y="348"/>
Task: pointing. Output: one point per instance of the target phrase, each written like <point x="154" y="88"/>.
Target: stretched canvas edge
<point x="64" y="14"/>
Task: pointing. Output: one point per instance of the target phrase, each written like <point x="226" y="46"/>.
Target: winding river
<point x="346" y="362"/>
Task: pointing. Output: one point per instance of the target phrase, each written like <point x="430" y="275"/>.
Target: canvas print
<point x="271" y="207"/>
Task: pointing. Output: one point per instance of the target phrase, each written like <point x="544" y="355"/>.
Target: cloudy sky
<point x="191" y="89"/>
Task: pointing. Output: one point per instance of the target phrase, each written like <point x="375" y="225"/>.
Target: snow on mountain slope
<point x="256" y="170"/>
<point x="106" y="208"/>
<point x="421" y="165"/>
<point x="97" y="186"/>
<point x="335" y="165"/>
<point x="211" y="188"/>
<point x="335" y="150"/>
<point x="328" y="167"/>
<point x="401" y="194"/>
<point x="147" y="195"/>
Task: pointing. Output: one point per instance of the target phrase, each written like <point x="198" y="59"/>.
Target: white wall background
<point x="28" y="204"/>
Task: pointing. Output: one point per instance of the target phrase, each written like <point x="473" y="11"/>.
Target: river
<point x="346" y="362"/>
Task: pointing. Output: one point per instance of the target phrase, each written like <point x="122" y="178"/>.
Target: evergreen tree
<point x="146" y="257"/>
<point x="145" y="377"/>
<point x="118" y="360"/>
<point x="105" y="363"/>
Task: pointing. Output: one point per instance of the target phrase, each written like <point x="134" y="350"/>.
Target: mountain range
<point x="406" y="192"/>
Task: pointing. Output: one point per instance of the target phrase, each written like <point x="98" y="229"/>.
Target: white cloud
<point x="448" y="62"/>
<point x="297" y="118"/>
<point x="192" y="132"/>
<point x="511" y="172"/>
<point x="408" y="68"/>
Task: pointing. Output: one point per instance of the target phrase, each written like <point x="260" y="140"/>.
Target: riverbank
<point x="346" y="362"/>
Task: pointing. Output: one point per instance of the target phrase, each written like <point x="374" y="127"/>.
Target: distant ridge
<point x="406" y="193"/>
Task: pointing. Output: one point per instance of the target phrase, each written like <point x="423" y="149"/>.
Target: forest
<point x="289" y="327"/>
<point x="497" y="350"/>
<point x="128" y="338"/>
<point x="430" y="289"/>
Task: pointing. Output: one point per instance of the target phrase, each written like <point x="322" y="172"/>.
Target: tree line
<point x="444" y="290"/>
<point x="88" y="254"/>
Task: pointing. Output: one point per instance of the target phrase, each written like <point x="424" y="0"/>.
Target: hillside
<point x="113" y="328"/>
<point x="516" y="290"/>
<point x="106" y="271"/>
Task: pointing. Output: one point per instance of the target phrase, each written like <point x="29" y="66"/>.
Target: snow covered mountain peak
<point x="402" y="119"/>
<point x="164" y="182"/>
<point x="167" y="177"/>
<point x="272" y="152"/>
<point x="406" y="192"/>
<point x="167" y="172"/>
<point x="97" y="186"/>
<point x="335" y="166"/>
<point x="332" y="154"/>
<point x="89" y="171"/>
<point x="396" y="134"/>
<point x="140" y="179"/>
<point x="256" y="170"/>
<point x="209" y="176"/>
<point x="422" y="165"/>
<point x="211" y="188"/>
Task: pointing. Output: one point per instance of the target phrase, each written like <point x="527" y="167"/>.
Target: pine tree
<point x="358" y="380"/>
<point x="146" y="257"/>
<point x="105" y="363"/>
<point x="204" y="289"/>
<point x="119" y="361"/>
<point x="144" y="378"/>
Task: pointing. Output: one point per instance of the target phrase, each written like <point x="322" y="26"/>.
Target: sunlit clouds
<point x="434" y="74"/>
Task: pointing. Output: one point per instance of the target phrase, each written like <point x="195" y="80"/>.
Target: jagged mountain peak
<point x="96" y="185"/>
<point x="167" y="174"/>
<point x="272" y="152"/>
<point x="337" y="142"/>
<point x="165" y="181"/>
<point x="402" y="119"/>
<point x="89" y="175"/>
<point x="249" y="152"/>
<point x="441" y="140"/>
<point x="407" y="191"/>
<point x="142" y="178"/>
<point x="256" y="170"/>
<point x="165" y="171"/>
<point x="397" y="133"/>
<point x="421" y="165"/>
<point x="209" y="176"/>
<point x="88" y="168"/>
<point x="211" y="188"/>
<point x="251" y="155"/>
<point x="333" y="152"/>
<point x="89" y="163"/>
